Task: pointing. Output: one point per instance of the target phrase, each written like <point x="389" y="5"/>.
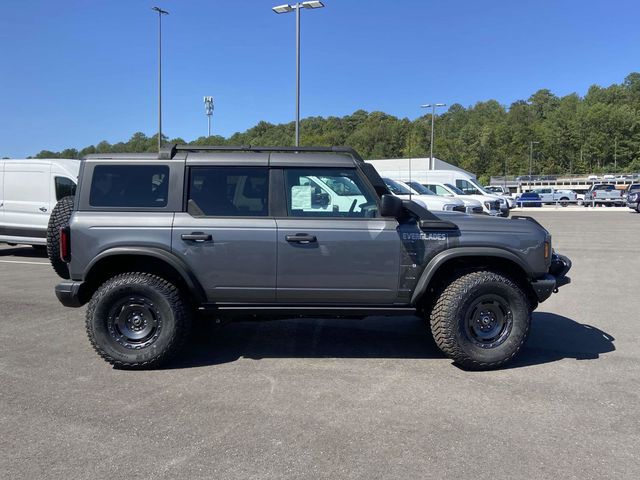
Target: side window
<point x="228" y="191"/>
<point x="467" y="187"/>
<point x="64" y="187"/>
<point x="441" y="190"/>
<point x="129" y="186"/>
<point x="432" y="188"/>
<point x="328" y="192"/>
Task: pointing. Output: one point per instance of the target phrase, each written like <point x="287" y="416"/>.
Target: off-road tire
<point x="449" y="320"/>
<point x="638" y="207"/>
<point x="172" y="312"/>
<point x="564" y="202"/>
<point x="59" y="218"/>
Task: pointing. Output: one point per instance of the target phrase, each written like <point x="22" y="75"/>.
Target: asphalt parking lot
<point x="334" y="399"/>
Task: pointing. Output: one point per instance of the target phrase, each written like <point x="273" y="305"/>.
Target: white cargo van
<point x="29" y="189"/>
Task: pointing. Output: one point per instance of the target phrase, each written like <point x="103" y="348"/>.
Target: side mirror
<point x="390" y="206"/>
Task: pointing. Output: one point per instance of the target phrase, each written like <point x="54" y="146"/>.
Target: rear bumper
<point x="70" y="294"/>
<point x="556" y="277"/>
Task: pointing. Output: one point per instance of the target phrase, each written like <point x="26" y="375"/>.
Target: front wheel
<point x="137" y="320"/>
<point x="564" y="202"/>
<point x="481" y="320"/>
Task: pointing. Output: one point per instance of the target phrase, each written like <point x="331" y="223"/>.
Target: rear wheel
<point x="59" y="218"/>
<point x="137" y="320"/>
<point x="481" y="320"/>
<point x="564" y="202"/>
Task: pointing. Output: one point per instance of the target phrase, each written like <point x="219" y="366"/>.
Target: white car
<point x="490" y="203"/>
<point x="29" y="189"/>
<point x="430" y="202"/>
<point x="472" y="205"/>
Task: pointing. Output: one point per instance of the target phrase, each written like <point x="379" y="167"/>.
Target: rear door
<point x="344" y="255"/>
<point x="26" y="199"/>
<point x="226" y="235"/>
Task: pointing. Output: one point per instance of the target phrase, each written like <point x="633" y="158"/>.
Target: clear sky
<point x="75" y="72"/>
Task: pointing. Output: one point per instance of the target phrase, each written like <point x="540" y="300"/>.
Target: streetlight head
<point x="441" y="104"/>
<point x="313" y="4"/>
<point x="426" y="105"/>
<point x="160" y="11"/>
<point x="283" y="9"/>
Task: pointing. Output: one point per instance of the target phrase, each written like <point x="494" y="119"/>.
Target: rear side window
<point x="129" y="186"/>
<point x="228" y="191"/>
<point x="64" y="187"/>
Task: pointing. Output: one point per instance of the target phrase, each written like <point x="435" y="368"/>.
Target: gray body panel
<point x="352" y="261"/>
<point x="238" y="264"/>
<point x="95" y="232"/>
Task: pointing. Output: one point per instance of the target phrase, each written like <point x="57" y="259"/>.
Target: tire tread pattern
<point x="59" y="218"/>
<point x="174" y="298"/>
<point x="444" y="323"/>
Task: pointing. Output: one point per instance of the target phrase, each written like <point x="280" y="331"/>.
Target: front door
<point x="226" y="235"/>
<point x="345" y="254"/>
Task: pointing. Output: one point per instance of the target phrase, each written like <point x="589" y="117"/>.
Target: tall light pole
<point x="531" y="144"/>
<point x="208" y="110"/>
<point x="160" y="14"/>
<point x="286" y="9"/>
<point x="432" y="163"/>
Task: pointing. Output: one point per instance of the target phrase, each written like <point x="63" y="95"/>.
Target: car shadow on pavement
<point x="552" y="337"/>
<point x="22" y="251"/>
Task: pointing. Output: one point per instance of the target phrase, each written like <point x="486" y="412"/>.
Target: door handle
<point x="196" y="237"/>
<point x="43" y="209"/>
<point x="301" y="238"/>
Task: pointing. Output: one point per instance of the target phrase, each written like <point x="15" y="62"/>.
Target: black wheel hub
<point x="134" y="322"/>
<point x="488" y="321"/>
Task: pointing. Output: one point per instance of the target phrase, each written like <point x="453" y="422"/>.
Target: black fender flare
<point x="436" y="262"/>
<point x="172" y="260"/>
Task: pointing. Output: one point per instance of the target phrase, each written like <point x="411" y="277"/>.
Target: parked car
<point x="633" y="197"/>
<point x="498" y="190"/>
<point x="593" y="178"/>
<point x="490" y="205"/>
<point x="430" y="202"/>
<point x="609" y="177"/>
<point x="603" y="194"/>
<point x="207" y="231"/>
<point x="529" y="199"/>
<point x="472" y="205"/>
<point x="551" y="195"/>
<point x="397" y="169"/>
<point x="29" y="189"/>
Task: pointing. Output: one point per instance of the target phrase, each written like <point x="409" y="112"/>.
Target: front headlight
<point x="448" y="207"/>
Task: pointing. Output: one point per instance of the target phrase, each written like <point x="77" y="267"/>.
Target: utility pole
<point x="531" y="160"/>
<point x="286" y="9"/>
<point x="160" y="14"/>
<point x="432" y="163"/>
<point x="615" y="154"/>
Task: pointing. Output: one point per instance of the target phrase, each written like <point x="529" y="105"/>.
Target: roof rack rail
<point x="167" y="152"/>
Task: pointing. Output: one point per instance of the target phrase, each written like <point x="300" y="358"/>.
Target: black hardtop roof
<point x="277" y="155"/>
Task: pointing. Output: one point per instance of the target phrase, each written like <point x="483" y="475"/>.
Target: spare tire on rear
<point x="59" y="218"/>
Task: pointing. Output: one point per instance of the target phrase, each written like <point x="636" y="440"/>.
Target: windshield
<point x="421" y="189"/>
<point x="454" y="189"/>
<point x="396" y="188"/>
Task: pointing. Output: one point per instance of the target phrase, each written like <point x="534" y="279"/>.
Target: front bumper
<point x="70" y="294"/>
<point x="632" y="205"/>
<point x="556" y="277"/>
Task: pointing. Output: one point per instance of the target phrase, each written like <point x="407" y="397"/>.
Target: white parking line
<point x="21" y="261"/>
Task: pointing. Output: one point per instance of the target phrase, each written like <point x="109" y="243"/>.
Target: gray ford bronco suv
<point x="151" y="240"/>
